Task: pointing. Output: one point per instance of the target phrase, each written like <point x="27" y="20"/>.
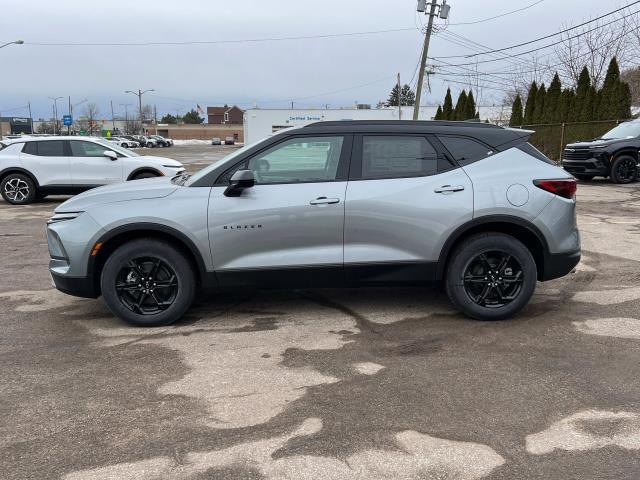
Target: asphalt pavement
<point x="326" y="384"/>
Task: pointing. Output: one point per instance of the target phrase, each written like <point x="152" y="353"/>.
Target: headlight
<point x="173" y="166"/>
<point x="61" y="217"/>
<point x="56" y="250"/>
<point x="599" y="146"/>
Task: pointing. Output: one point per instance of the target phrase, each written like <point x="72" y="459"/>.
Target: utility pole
<point x="70" y="114"/>
<point x="139" y="94"/>
<point x="30" y="116"/>
<point x="399" y="99"/>
<point x="113" y="118"/>
<point x="444" y="13"/>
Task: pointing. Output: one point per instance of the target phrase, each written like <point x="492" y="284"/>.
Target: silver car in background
<point x="331" y="204"/>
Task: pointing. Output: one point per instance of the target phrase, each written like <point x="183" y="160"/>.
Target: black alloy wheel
<point x="493" y="279"/>
<point x="147" y="285"/>
<point x="624" y="170"/>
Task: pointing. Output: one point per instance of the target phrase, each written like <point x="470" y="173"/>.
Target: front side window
<point x="465" y="150"/>
<point x="397" y="157"/>
<point x="86" y="149"/>
<point x="297" y="160"/>
<point x="48" y="148"/>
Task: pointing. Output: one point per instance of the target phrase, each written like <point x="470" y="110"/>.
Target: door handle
<point x="449" y="189"/>
<point x="324" y="201"/>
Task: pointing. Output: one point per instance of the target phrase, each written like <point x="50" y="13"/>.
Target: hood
<point x="596" y="142"/>
<point x="147" y="188"/>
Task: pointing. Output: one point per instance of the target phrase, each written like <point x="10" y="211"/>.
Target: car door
<point x="90" y="167"/>
<point x="47" y="161"/>
<point x="287" y="230"/>
<point x="404" y="199"/>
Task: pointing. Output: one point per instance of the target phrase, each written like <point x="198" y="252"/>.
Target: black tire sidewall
<point x="141" y="176"/>
<point x="473" y="247"/>
<point x="614" y="168"/>
<point x="149" y="248"/>
<point x="32" y="188"/>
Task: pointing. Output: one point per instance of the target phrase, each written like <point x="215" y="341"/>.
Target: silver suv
<point x="331" y="204"/>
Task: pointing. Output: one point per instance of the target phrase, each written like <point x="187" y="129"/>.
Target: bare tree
<point x="593" y="45"/>
<point x="91" y="113"/>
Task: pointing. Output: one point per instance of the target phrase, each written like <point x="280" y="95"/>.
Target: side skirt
<point x="326" y="276"/>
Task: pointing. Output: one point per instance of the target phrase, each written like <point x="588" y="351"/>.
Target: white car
<point x="32" y="168"/>
<point x="123" y="142"/>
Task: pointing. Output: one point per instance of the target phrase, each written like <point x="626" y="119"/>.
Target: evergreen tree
<point x="581" y="94"/>
<point x="461" y="105"/>
<point x="470" y="107"/>
<point x="516" y="113"/>
<point x="587" y="112"/>
<point x="539" y="106"/>
<point x="552" y="100"/>
<point x="531" y="102"/>
<point x="192" y="117"/>
<point x="401" y="96"/>
<point x="564" y="105"/>
<point x="623" y="101"/>
<point x="438" y="113"/>
<point x="447" y="107"/>
<point x="170" y="119"/>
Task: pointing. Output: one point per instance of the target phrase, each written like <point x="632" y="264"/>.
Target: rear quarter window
<point x="465" y="150"/>
<point x="534" y="152"/>
<point x="30" y="148"/>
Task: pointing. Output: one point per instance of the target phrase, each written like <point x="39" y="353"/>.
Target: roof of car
<point x="492" y="135"/>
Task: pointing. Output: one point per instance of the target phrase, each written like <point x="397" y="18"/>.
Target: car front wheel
<point x="18" y="189"/>
<point x="624" y="169"/>
<point x="491" y="276"/>
<point x="148" y="283"/>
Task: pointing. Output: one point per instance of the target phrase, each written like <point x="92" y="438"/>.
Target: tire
<point x="18" y="189"/>
<point x="141" y="302"/>
<point x="624" y="169"/>
<point x="467" y="278"/>
<point x="142" y="175"/>
<point x="584" y="178"/>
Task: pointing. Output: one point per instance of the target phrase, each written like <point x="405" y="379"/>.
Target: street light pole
<point x="15" y="42"/>
<point x="139" y="94"/>
<point x="126" y="116"/>
<point x="55" y="113"/>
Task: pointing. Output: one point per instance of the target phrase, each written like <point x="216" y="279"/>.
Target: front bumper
<point x="558" y="265"/>
<point x="76" y="286"/>
<point x="591" y="166"/>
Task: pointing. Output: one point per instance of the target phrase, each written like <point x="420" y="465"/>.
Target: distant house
<point x="225" y="115"/>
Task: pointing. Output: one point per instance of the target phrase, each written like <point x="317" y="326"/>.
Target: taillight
<point x="564" y="188"/>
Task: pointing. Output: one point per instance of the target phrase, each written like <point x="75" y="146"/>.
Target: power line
<point x="499" y="16"/>
<point x="217" y="42"/>
<point x="554" y="34"/>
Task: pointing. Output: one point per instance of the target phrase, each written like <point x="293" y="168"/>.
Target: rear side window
<point x="534" y="152"/>
<point x="49" y="148"/>
<point x="465" y="150"/>
<point x="397" y="157"/>
<point x="31" y="148"/>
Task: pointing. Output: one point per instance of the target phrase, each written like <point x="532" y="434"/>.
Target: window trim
<point x="355" y="171"/>
<point x="342" y="173"/>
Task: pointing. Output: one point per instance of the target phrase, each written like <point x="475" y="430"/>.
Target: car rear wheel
<point x="491" y="276"/>
<point x="148" y="283"/>
<point x="624" y="169"/>
<point x="18" y="189"/>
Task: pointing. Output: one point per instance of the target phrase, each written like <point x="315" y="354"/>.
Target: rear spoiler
<point x="521" y="136"/>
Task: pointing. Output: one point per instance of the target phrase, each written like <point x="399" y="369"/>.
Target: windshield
<point x="202" y="173"/>
<point x="624" y="130"/>
<point x="117" y="148"/>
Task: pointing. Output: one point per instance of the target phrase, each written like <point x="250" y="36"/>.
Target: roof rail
<point x="430" y="123"/>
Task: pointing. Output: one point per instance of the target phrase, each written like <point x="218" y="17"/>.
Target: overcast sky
<point x="312" y="72"/>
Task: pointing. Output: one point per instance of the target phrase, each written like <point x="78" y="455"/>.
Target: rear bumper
<point x="592" y="166"/>
<point x="76" y="286"/>
<point x="558" y="265"/>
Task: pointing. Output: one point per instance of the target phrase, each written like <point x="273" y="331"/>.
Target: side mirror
<point x="110" y="154"/>
<point x="239" y="181"/>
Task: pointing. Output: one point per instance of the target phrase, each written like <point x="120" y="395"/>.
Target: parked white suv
<point x="32" y="168"/>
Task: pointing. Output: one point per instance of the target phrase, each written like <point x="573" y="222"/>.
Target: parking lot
<point x="324" y="384"/>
